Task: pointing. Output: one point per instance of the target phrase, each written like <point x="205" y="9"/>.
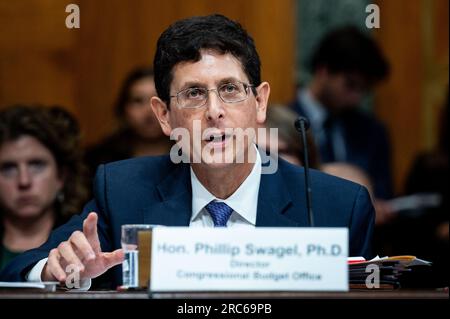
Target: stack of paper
<point x="383" y="273"/>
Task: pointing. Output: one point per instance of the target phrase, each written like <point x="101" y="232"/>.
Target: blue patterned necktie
<point x="220" y="213"/>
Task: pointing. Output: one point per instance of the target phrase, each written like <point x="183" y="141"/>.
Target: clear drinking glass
<point x="130" y="245"/>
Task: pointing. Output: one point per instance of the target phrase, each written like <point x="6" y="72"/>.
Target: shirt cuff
<point x="34" y="275"/>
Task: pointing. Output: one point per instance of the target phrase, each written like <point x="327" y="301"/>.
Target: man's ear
<point x="261" y="102"/>
<point x="162" y="114"/>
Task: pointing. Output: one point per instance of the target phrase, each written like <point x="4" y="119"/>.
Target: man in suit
<point x="207" y="71"/>
<point x="345" y="66"/>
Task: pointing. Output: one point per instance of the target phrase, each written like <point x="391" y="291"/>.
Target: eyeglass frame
<point x="247" y="86"/>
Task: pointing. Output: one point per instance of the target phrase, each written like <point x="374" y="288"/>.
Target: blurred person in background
<point x="139" y="133"/>
<point x="421" y="227"/>
<point x="346" y="65"/>
<point x="289" y="141"/>
<point x="41" y="176"/>
<point x="383" y="210"/>
<point x="349" y="172"/>
<point x="429" y="174"/>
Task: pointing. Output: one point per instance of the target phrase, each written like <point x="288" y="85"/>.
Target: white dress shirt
<point x="244" y="202"/>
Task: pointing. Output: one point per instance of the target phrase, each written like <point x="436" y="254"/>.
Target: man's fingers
<point x="90" y="231"/>
<point x="82" y="245"/>
<point x="54" y="266"/>
<point x="113" y="258"/>
<point x="90" y="225"/>
<point x="66" y="251"/>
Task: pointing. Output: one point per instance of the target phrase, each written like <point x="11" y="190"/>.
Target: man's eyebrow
<point x="196" y="84"/>
<point x="192" y="84"/>
<point x="228" y="80"/>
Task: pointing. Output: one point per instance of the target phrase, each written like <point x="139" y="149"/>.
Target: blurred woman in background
<point x="41" y="176"/>
<point x="139" y="133"/>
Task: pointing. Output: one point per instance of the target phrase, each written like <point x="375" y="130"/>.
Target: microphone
<point x="301" y="125"/>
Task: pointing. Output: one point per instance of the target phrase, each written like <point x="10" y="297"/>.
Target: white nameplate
<point x="259" y="259"/>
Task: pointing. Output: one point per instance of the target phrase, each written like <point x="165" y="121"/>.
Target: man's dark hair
<point x="348" y="50"/>
<point x="184" y="39"/>
<point x="125" y="90"/>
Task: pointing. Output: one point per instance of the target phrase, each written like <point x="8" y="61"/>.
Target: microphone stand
<point x="302" y="124"/>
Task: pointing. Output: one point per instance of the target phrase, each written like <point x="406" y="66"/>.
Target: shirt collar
<point x="243" y="201"/>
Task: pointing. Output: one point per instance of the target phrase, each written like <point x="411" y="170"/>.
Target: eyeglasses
<point x="196" y="97"/>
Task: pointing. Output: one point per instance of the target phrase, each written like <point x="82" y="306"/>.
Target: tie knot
<point x="220" y="213"/>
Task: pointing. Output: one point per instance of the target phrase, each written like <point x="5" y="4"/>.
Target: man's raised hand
<point x="81" y="251"/>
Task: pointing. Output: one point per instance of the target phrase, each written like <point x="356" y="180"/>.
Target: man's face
<point x="342" y="91"/>
<point x="138" y="112"/>
<point x="29" y="179"/>
<point x="216" y="117"/>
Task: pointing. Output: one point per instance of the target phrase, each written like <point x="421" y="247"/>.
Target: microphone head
<point x="305" y="121"/>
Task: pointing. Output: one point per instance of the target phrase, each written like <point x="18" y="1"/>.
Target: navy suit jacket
<point x="153" y="190"/>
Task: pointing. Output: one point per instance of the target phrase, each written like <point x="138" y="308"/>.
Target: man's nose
<point x="24" y="177"/>
<point x="214" y="106"/>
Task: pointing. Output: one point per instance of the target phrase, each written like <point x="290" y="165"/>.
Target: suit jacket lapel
<point x="273" y="201"/>
<point x="175" y="207"/>
<point x="175" y="193"/>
